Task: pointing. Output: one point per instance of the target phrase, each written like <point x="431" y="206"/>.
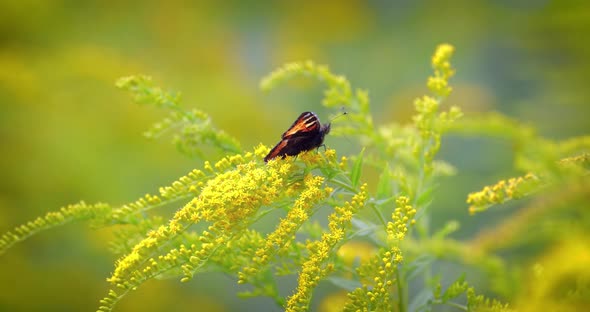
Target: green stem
<point x="452" y="304"/>
<point x="400" y="292"/>
<point x="458" y="306"/>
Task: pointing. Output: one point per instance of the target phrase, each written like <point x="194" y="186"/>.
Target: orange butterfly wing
<point x="275" y="151"/>
<point x="304" y="134"/>
<point x="304" y="124"/>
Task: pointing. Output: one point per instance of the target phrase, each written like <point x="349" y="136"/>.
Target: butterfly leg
<point x="323" y="145"/>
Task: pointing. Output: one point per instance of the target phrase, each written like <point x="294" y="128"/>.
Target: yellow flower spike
<point x="398" y="227"/>
<point x="236" y="159"/>
<point x="311" y="158"/>
<point x="227" y="200"/>
<point x="381" y="269"/>
<point x="316" y="266"/>
<point x="285" y="167"/>
<point x="222" y="164"/>
<point x="503" y="191"/>
<point x="439" y="86"/>
<point x="330" y="154"/>
<point x="285" y="231"/>
<point x="441" y="58"/>
<point x="442" y="70"/>
<point x="328" y="190"/>
<point x="343" y="163"/>
<point x="261" y="150"/>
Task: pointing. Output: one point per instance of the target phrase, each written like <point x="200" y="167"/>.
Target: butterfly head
<point x="325" y="128"/>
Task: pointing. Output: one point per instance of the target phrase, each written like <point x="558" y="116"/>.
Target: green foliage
<point x="192" y="129"/>
<point x="71" y="213"/>
<point x="218" y="207"/>
<point x="474" y="302"/>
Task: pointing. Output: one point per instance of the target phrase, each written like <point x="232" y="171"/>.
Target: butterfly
<point x="305" y="134"/>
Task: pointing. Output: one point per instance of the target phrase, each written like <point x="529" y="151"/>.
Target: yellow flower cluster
<point x="330" y="155"/>
<point x="442" y="70"/>
<point x="502" y="191"/>
<point x="426" y="107"/>
<point x="235" y="194"/>
<point x="284" y="234"/>
<point x="385" y="277"/>
<point x="582" y="160"/>
<point x="380" y="271"/>
<point x="323" y="160"/>
<point x="239" y="251"/>
<point x="227" y="201"/>
<point x="402" y="216"/>
<point x="315" y="268"/>
<point x="212" y="240"/>
<point x="379" y="275"/>
<point x="343" y="164"/>
<point x="428" y="121"/>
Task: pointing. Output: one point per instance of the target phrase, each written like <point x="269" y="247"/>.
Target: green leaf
<point x="444" y="169"/>
<point x="384" y="185"/>
<point x="455" y="289"/>
<point x="450" y="227"/>
<point x="384" y="201"/>
<point x="365" y="228"/>
<point x="422" y="300"/>
<point x="344" y="283"/>
<point x="355" y="175"/>
<point x="417" y="266"/>
<point x="346" y="185"/>
<point x="425" y="198"/>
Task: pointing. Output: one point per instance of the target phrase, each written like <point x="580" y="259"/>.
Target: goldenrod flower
<point x="379" y="273"/>
<point x="284" y="234"/>
<point x="226" y="201"/>
<point x="502" y="191"/>
<point x="315" y="267"/>
<point x="441" y="61"/>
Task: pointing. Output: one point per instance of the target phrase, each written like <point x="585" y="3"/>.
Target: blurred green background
<point x="67" y="134"/>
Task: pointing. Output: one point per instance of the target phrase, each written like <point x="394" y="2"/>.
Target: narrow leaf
<point x="384" y="185"/>
<point x="355" y="175"/>
<point x="344" y="283"/>
<point x="421" y="301"/>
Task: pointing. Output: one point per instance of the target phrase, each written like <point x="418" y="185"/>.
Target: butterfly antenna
<point x="339" y="115"/>
<point x="344" y="112"/>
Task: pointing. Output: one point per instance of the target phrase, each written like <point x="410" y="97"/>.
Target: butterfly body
<point x="305" y="134"/>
